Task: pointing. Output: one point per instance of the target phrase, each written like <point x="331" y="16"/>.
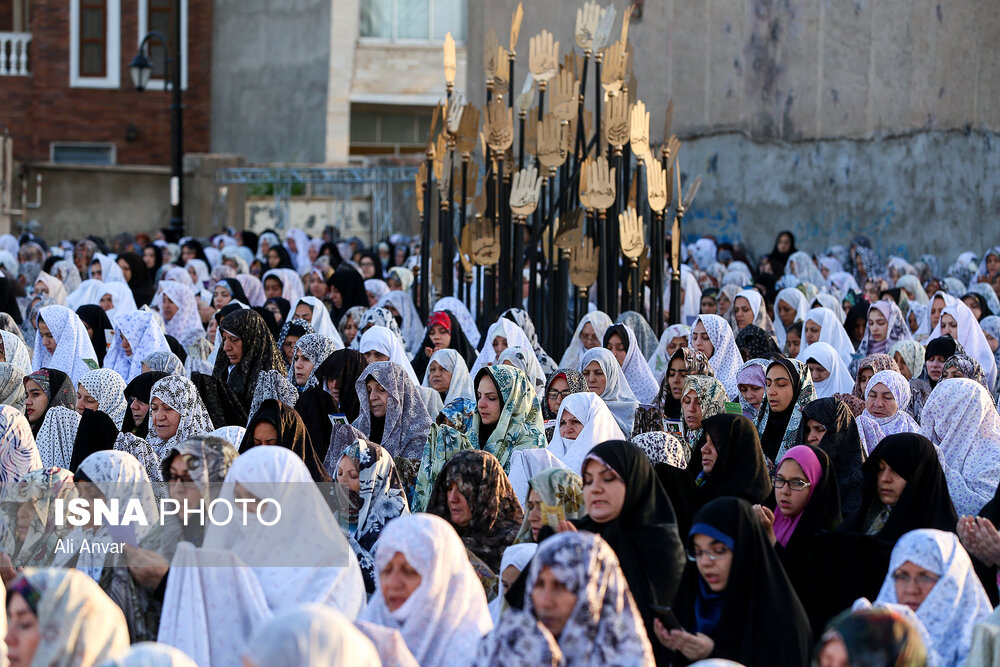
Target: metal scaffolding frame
<point x="340" y="183"/>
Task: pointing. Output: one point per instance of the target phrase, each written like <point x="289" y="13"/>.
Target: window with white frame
<point x="74" y="152"/>
<point x="413" y="20"/>
<point x="158" y="15"/>
<point x="95" y="43"/>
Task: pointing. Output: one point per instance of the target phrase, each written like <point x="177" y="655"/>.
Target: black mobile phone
<point x="667" y="617"/>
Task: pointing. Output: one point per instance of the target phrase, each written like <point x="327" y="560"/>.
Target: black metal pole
<point x="176" y="131"/>
<point x="425" y="238"/>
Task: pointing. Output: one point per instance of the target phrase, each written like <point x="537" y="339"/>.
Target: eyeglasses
<point x="796" y="484"/>
<point x="921" y="579"/>
<point x="553" y="395"/>
<point x="694" y="555"/>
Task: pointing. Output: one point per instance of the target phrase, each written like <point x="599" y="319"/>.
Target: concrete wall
<point x="830" y="117"/>
<point x="269" y="79"/>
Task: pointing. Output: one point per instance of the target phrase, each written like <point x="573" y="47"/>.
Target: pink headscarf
<point x="805" y="457"/>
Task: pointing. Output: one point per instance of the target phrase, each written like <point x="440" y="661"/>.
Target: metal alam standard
<point x="568" y="203"/>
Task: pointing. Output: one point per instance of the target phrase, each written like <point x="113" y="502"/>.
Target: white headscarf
<point x="517" y="556"/>
<point x="659" y="361"/>
<point x="55" y="286"/>
<point x="74" y="353"/>
<point x="691" y="304"/>
<point x="962" y="421"/>
<point x="924" y="330"/>
<point x="617" y="394"/>
<point x="574" y="351"/>
<point x="185" y="325"/>
<point x="726" y="359"/>
<point x="291" y="284"/>
<point x="385" y="341"/>
<point x="831" y="331"/>
<point x="525" y="464"/>
<point x="57" y="436"/>
<point x="502" y="328"/>
<point x="300" y="257"/>
<point x="326" y="569"/>
<point x="873" y="429"/>
<point x="526" y="360"/>
<point x="310" y="634"/>
<point x="831" y="303"/>
<point x="16" y="352"/>
<point x="955" y="604"/>
<point x="637" y="372"/>
<point x="321" y="322"/>
<point x="143" y="336"/>
<point x="253" y="289"/>
<point x="412" y="329"/>
<point x="151" y="654"/>
<point x="840" y="380"/>
<point x="797" y="300"/>
<point x="446" y="616"/>
<point x="110" y="271"/>
<point x="122" y="299"/>
<point x="108" y="388"/>
<point x="181" y="395"/>
<point x="599" y="426"/>
<point x="18" y="452"/>
<point x="461" y="382"/>
<point x="972" y="338"/>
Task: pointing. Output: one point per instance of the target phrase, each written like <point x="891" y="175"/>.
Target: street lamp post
<point x="141" y="69"/>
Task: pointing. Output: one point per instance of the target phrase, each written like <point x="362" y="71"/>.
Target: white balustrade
<point x="14" y="53"/>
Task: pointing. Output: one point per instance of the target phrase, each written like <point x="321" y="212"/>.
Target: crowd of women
<point x="804" y="470"/>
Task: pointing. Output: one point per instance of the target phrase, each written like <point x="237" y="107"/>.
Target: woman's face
<point x="303" y="367"/>
<point x="499" y="345"/>
<point x="333" y="386"/>
<point x="367" y="267"/>
<point x="179" y="483"/>
<point x="107" y="302"/>
<point x="458" y="507"/>
<point x="149" y="257"/>
<point x="949" y="327"/>
<point x="617" y="348"/>
<point x="398" y="580"/>
<point x="752" y="394"/>
<point x="232" y="346"/>
<point x="558" y="390"/>
<point x="993" y="342"/>
<point x="534" y="511"/>
<point x="992" y="264"/>
<point x="597" y="381"/>
<point x="41" y="288"/>
<point x="438" y="377"/>
<point x="336" y="298"/>
<point x="784" y="243"/>
<point x="818" y="371"/>
<point x="786" y="313"/>
<point x="168" y="309"/>
<point x="814" y="432"/>
<point x="708" y="306"/>
<point x="973" y="304"/>
<point x="165" y="419"/>
<point x="691" y="410"/>
<point x="221" y="296"/>
<point x="265" y="434"/>
<point x="890" y="484"/>
<point x="904" y="370"/>
<point x="794" y="343"/>
<point x="488" y="400"/>
<point x="603" y="492"/>
<point x="935" y="367"/>
<point x="48" y="340"/>
<point x="288" y="347"/>
<point x="780" y="392"/>
<point x="273" y="259"/>
<point x="350" y="330"/>
<point x="588" y="337"/>
<point x="441" y="337"/>
<point x="878" y="327"/>
<point x="880" y="402"/>
<point x="23" y="634"/>
<point x="742" y="312"/>
<point x="193" y="273"/>
<point x="709" y="455"/>
<point x="676" y="372"/>
<point x="272" y="287"/>
<point x="371" y="356"/>
<point x="304" y="312"/>
<point x="812" y="330"/>
<point x="724" y="304"/>
<point x="715" y="572"/>
<point x="913" y="584"/>
<point x="317" y="286"/>
<point x="701" y="341"/>
<point x="552" y="601"/>
<point x="139" y="410"/>
<point x="674" y="344"/>
<point x="96" y="271"/>
<point x="347" y="474"/>
<point x="791" y="501"/>
<point x="126" y="346"/>
<point x="36" y="402"/>
<point x="84" y="401"/>
<point x="953" y="372"/>
<point x="569" y="425"/>
<point x="864" y="375"/>
<point x="378" y="398"/>
<point x="937" y="305"/>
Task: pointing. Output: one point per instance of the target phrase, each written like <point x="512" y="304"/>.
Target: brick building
<point x="65" y="90"/>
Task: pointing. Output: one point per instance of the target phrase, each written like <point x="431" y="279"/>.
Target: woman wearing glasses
<point x="733" y="592"/>
<point x="808" y="501"/>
